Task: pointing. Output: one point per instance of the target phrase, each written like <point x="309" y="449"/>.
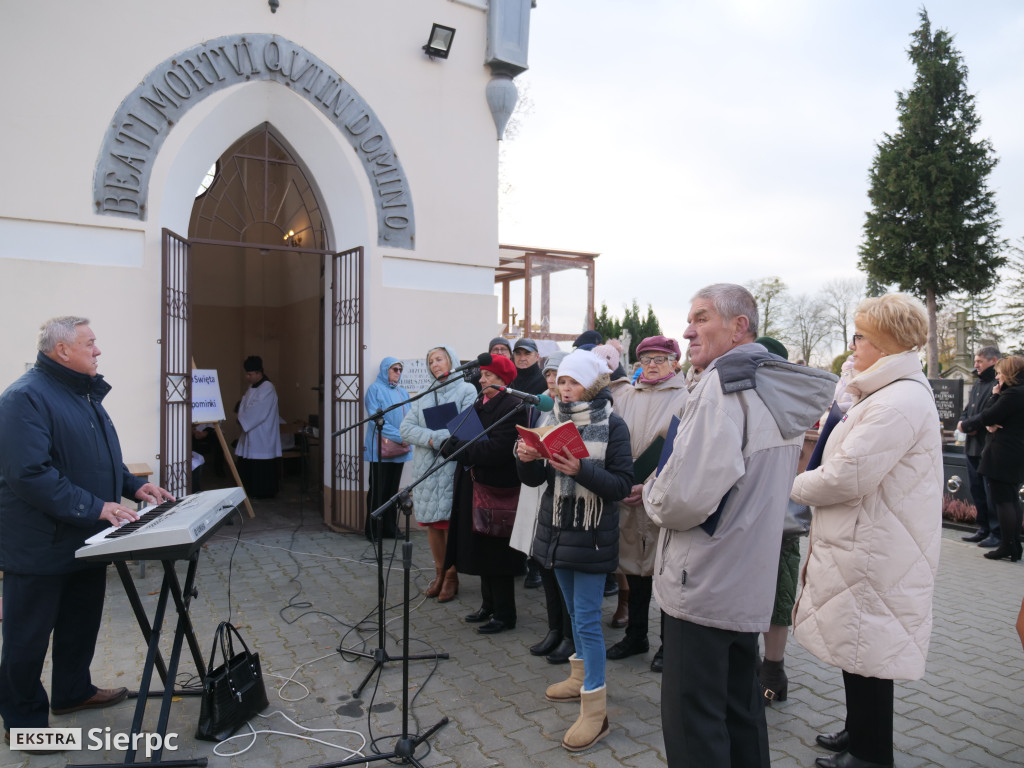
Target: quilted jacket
<point x="866" y="602"/>
<point x="432" y="499"/>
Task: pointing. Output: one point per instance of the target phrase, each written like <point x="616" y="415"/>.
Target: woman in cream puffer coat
<point x="866" y="603"/>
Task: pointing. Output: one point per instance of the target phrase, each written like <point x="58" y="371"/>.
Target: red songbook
<point x="550" y="440"/>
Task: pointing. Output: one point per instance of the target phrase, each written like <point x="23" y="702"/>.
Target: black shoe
<point x="974" y="538"/>
<point x="837" y="742"/>
<point x="1003" y="550"/>
<point x="846" y="760"/>
<point x="532" y="575"/>
<point x="494" y="626"/>
<point x="627" y="646"/>
<point x="561" y="654"/>
<point x="658" y="662"/>
<point x="551" y="641"/>
<point x="611" y="585"/>
<point x="990" y="542"/>
<point x="477" y="616"/>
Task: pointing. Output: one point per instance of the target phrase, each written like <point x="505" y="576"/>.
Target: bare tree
<point x="808" y="323"/>
<point x="770" y="294"/>
<point x="840" y="298"/>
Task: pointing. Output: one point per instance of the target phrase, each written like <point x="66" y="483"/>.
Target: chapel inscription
<point x="148" y="114"/>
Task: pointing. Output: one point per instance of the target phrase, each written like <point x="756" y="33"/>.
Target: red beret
<point x="503" y="368"/>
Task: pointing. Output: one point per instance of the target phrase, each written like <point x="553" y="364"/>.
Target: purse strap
<point x="223" y="637"/>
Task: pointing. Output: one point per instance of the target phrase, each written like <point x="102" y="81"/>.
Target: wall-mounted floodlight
<point x="439" y="44"/>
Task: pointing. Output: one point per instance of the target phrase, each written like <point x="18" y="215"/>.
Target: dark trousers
<point x="869" y="717"/>
<point x="639" y="606"/>
<point x="68" y="607"/>
<point x="1006" y="501"/>
<point x="987" y="518"/>
<point x="499" y="595"/>
<point x="712" y="711"/>
<point x="385" y="477"/>
<point x="558" y="614"/>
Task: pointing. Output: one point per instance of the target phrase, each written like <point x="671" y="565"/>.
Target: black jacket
<point x="594" y="551"/>
<point x="1003" y="458"/>
<point x="60" y="461"/>
<point x="491" y="462"/>
<point x="980" y="395"/>
<point x="530" y="380"/>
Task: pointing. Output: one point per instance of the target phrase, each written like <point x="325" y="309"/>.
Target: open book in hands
<point x="550" y="440"/>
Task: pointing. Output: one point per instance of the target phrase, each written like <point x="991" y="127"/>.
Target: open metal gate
<point x="176" y="367"/>
<point x="347" y="507"/>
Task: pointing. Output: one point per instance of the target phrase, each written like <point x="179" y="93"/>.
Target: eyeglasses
<point x="648" y="360"/>
<point x="856" y="338"/>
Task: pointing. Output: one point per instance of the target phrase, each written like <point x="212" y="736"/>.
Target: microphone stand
<point x="380" y="654"/>
<point x="405" y="748"/>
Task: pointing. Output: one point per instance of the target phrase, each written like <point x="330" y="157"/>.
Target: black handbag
<point x="232" y="692"/>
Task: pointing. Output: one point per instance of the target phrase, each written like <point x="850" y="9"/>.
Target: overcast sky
<point x="727" y="140"/>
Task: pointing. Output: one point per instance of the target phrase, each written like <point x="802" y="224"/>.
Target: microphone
<point x="482" y="359"/>
<point x="541" y="402"/>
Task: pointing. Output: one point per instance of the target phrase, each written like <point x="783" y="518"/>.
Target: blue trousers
<point x="67" y="606"/>
<point x="583" y="593"/>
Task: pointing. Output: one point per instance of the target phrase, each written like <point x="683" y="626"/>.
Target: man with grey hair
<point x="988" y="533"/>
<point x="61" y="481"/>
<point x="720" y="502"/>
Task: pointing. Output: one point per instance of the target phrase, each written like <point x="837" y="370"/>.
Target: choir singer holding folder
<point x="426" y="430"/>
<point x="486" y="478"/>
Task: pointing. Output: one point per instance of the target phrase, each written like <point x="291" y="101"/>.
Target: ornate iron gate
<point x="347" y="508"/>
<point x="176" y="368"/>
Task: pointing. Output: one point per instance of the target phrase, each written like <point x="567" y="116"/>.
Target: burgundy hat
<point x="501" y="367"/>
<point x="659" y="344"/>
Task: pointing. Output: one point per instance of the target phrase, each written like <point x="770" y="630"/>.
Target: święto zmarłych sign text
<point x="148" y="114"/>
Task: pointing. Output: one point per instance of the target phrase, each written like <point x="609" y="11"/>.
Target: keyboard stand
<point x="170" y="588"/>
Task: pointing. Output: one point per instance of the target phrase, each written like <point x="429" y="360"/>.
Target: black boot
<point x="772" y="677"/>
<point x="551" y="641"/>
<point x="561" y="654"/>
<point x="846" y="760"/>
<point x="837" y="742"/>
<point x="532" y="575"/>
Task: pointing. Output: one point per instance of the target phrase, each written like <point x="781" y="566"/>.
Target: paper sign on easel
<point x="207" y="405"/>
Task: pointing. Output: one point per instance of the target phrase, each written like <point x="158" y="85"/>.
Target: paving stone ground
<point x="298" y="592"/>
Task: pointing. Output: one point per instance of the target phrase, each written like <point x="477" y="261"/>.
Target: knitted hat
<point x="774" y="346"/>
<point x="608" y="353"/>
<point x="503" y="368"/>
<point x="253" y="363"/>
<point x="528" y="344"/>
<point x="659" y="344"/>
<point x="583" y="366"/>
<point x="588" y="337"/>
<point x="553" y="361"/>
<point x="500" y="340"/>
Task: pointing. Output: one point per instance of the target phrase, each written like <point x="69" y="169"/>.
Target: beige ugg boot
<point x="592" y="724"/>
<point x="568" y="690"/>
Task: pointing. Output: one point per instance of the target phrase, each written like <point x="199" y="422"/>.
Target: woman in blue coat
<point x="386" y="470"/>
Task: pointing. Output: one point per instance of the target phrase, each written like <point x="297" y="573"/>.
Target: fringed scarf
<point x="575" y="504"/>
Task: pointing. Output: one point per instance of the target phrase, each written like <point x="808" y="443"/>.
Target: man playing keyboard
<point x="61" y="481"/>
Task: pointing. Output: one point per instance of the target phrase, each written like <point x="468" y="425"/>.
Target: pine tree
<point x="933" y="226"/>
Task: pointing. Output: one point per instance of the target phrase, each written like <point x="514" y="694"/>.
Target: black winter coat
<point x="491" y="462"/>
<point x="981" y="394"/>
<point x="571" y="547"/>
<point x="60" y="461"/>
<point x="530" y="380"/>
<point x="1003" y="458"/>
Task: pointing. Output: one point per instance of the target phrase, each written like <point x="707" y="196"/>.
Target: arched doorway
<point x="255" y="273"/>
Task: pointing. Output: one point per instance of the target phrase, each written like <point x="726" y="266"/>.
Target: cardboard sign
<point x="207" y="405"/>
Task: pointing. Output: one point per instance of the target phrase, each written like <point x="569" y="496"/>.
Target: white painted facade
<point x="72" y="64"/>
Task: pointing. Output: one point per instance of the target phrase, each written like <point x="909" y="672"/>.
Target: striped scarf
<point x="575" y="505"/>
